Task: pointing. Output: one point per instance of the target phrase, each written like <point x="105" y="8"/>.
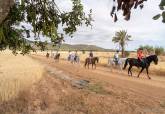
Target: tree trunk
<point x="122" y="51"/>
<point x="5" y="6"/>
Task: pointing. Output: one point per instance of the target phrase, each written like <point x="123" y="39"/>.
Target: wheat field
<point x="16" y="74"/>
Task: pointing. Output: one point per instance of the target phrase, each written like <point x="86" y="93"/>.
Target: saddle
<point x="142" y="62"/>
<point x="116" y="61"/>
<point x="90" y="60"/>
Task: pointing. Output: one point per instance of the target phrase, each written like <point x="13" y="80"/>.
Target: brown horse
<point x="47" y="55"/>
<point x="91" y="61"/>
<point x="57" y="56"/>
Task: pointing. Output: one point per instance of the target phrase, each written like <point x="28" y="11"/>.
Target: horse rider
<point x="69" y="55"/>
<point x="76" y="55"/>
<point x="90" y="56"/>
<point x="116" y="57"/>
<point x="140" y="55"/>
<point x="72" y="57"/>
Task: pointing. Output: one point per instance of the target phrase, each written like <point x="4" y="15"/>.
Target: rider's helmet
<point x="117" y="51"/>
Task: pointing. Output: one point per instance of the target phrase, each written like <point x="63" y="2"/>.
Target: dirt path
<point x="129" y="94"/>
<point x="154" y="87"/>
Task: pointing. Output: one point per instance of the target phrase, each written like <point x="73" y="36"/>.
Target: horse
<point x="57" y="56"/>
<point x="73" y="58"/>
<point x="77" y="59"/>
<point x="118" y="63"/>
<point x="92" y="61"/>
<point x="144" y="65"/>
<point x="47" y="55"/>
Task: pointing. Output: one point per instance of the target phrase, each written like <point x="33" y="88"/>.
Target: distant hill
<point x="67" y="47"/>
<point x="85" y="47"/>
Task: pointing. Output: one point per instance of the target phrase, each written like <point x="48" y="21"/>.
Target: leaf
<point x="163" y="16"/>
<point x="156" y="17"/>
<point x="162" y="3"/>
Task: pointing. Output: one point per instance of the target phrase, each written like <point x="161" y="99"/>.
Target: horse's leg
<point x="88" y="65"/>
<point x="85" y="64"/>
<point x="92" y="65"/>
<point x="121" y="67"/>
<point x="140" y="72"/>
<point x="148" y="73"/>
<point x="129" y="70"/>
<point x="95" y="66"/>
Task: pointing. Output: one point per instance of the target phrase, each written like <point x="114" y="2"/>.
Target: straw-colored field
<point x="16" y="74"/>
<point x="38" y="85"/>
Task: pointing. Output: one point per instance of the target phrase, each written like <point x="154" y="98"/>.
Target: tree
<point x="5" y="8"/>
<point x="159" y="50"/>
<point x="126" y="7"/>
<point x="121" y="38"/>
<point x="162" y="7"/>
<point x="150" y="49"/>
<point x="45" y="17"/>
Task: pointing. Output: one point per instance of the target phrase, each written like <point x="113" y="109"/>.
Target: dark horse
<point x="144" y="65"/>
<point x="91" y="61"/>
<point x="57" y="56"/>
<point x="47" y="55"/>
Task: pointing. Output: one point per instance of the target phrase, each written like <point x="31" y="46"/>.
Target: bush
<point x="83" y="51"/>
<point x="126" y="53"/>
<point x="159" y="50"/>
<point x="149" y="49"/>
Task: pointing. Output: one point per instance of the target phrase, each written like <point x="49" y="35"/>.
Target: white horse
<point x="119" y="64"/>
<point x="73" y="58"/>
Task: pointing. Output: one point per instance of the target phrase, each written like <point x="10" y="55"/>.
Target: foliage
<point x="149" y="48"/>
<point x="162" y="7"/>
<point x="121" y="38"/>
<point x="126" y="53"/>
<point x="159" y="50"/>
<point x="45" y="18"/>
<point x="126" y="7"/>
<point x="83" y="51"/>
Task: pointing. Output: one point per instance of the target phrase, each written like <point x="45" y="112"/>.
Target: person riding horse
<point x="47" y="55"/>
<point x="91" y="56"/>
<point x="140" y="56"/>
<point x="116" y="57"/>
<point x="76" y="55"/>
<point x="69" y="55"/>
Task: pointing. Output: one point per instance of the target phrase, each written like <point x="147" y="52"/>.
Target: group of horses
<point x="121" y="63"/>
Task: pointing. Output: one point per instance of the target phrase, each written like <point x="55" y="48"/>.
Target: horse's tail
<point x="126" y="63"/>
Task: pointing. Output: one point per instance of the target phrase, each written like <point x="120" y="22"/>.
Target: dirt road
<point x="136" y="95"/>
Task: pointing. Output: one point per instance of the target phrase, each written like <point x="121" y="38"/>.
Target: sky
<point x="143" y="29"/>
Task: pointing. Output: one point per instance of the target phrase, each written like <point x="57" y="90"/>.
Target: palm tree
<point x="121" y="38"/>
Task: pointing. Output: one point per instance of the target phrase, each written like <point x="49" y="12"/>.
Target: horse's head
<point x="153" y="58"/>
<point x="97" y="59"/>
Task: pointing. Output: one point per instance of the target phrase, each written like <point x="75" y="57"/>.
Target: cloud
<point x="141" y="27"/>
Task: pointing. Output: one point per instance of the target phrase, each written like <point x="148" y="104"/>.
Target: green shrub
<point x="159" y="50"/>
<point x="149" y="49"/>
<point x="126" y="53"/>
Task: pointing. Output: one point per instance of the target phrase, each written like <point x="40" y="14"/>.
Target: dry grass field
<point x="38" y="85"/>
<point x="16" y="74"/>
